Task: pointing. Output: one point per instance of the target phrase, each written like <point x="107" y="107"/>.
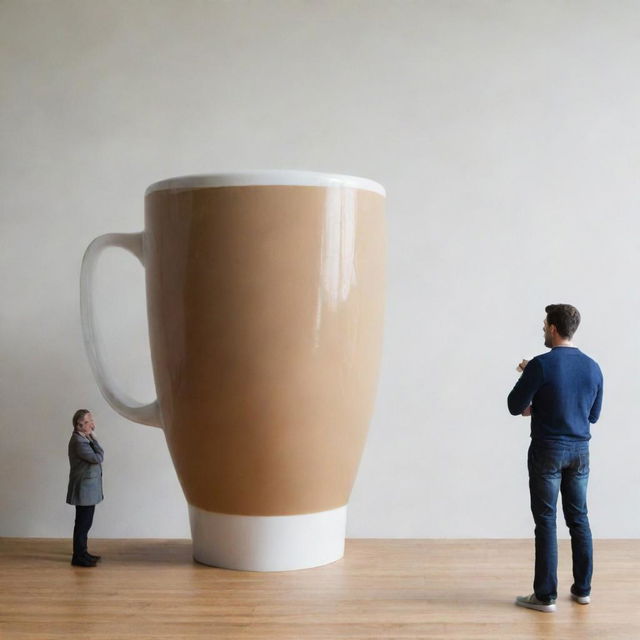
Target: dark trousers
<point x="84" y="520"/>
<point x="558" y="467"/>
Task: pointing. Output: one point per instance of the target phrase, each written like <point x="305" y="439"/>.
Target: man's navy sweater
<point x="564" y="389"/>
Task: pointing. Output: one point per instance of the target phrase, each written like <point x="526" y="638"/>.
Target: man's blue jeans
<point x="553" y="467"/>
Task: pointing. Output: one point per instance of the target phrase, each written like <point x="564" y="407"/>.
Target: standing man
<point x="85" y="484"/>
<point x="562" y="392"/>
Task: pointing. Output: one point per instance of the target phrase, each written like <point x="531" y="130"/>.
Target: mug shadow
<point x="114" y="553"/>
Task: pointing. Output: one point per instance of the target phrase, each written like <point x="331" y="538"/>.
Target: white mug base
<point x="268" y="543"/>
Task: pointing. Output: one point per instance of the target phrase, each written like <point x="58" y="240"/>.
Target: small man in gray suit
<point x="85" y="483"/>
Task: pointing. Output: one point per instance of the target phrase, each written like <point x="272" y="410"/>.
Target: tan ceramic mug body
<point x="265" y="301"/>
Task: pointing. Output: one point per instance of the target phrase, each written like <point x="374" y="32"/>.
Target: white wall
<point x="507" y="136"/>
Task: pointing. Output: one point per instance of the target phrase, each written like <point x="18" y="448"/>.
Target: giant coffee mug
<point x="265" y="303"/>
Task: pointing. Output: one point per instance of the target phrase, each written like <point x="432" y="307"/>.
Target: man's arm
<point x="594" y="414"/>
<point x="527" y="386"/>
<point x="95" y="445"/>
<point x="85" y="452"/>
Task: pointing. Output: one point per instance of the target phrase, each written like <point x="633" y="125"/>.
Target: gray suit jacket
<point x="85" y="474"/>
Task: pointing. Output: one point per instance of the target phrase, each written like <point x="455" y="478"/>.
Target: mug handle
<point x="144" y="414"/>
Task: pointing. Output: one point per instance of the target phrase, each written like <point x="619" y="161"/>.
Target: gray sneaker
<point x="531" y="602"/>
<point x="581" y="599"/>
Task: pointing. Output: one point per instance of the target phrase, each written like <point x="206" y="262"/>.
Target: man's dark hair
<point x="565" y="318"/>
<point x="78" y="415"/>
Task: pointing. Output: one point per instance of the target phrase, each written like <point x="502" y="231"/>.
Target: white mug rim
<point x="274" y="177"/>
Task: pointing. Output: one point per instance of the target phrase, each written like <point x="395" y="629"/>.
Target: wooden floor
<point x="381" y="589"/>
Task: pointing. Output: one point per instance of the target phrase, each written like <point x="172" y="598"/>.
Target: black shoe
<point x="92" y="557"/>
<point x="80" y="561"/>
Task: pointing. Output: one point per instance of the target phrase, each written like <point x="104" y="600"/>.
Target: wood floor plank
<point x="436" y="589"/>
